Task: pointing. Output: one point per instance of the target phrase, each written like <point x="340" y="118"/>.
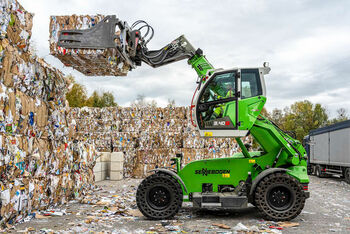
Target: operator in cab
<point x="219" y="109"/>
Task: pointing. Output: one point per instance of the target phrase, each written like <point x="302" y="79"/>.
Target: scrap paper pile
<point x="148" y="136"/>
<point x="91" y="62"/>
<point x="40" y="166"/>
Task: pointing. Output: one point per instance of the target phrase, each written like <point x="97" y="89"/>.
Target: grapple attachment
<point x="101" y="36"/>
<point x="123" y="47"/>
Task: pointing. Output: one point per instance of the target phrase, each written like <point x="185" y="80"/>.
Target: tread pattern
<point x="261" y="197"/>
<point x="175" y="191"/>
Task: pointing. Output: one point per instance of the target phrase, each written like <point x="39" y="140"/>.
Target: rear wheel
<point x="319" y="172"/>
<point x="159" y="196"/>
<point x="347" y="175"/>
<point x="279" y="197"/>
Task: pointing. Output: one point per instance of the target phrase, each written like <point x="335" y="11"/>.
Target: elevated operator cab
<point x="229" y="101"/>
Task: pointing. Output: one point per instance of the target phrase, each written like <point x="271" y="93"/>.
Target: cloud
<point x="306" y="42"/>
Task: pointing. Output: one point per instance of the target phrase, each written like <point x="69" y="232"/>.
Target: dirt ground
<point x="111" y="208"/>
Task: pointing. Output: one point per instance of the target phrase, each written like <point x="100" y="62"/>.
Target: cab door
<point x="230" y="101"/>
<point x="217" y="105"/>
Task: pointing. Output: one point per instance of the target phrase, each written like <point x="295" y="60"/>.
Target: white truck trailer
<point x="329" y="150"/>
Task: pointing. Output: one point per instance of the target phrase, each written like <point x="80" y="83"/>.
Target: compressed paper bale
<point x="147" y="136"/>
<point x="31" y="75"/>
<point x="16" y="24"/>
<point x="40" y="167"/>
<point x="91" y="62"/>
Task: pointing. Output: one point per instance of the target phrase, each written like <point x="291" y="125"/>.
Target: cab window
<point x="221" y="87"/>
<point x="251" y="85"/>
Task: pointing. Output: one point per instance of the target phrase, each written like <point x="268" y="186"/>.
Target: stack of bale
<point x="40" y="166"/>
<point x="148" y="136"/>
<point x="91" y="62"/>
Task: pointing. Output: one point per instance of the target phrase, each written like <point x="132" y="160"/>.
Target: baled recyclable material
<point x="40" y="165"/>
<point x="90" y="62"/>
<point x="15" y="24"/>
<point x="147" y="136"/>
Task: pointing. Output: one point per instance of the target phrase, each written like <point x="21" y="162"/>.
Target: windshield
<point x="220" y="87"/>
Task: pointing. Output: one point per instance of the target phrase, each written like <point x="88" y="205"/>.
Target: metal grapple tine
<point x="101" y="36"/>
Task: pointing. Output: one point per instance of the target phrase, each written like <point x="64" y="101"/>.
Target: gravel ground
<point x="111" y="207"/>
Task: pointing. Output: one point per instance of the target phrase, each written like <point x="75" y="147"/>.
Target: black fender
<point x="169" y="172"/>
<point x="262" y="175"/>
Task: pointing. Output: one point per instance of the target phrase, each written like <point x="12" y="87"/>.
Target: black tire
<point x="280" y="197"/>
<point x="159" y="196"/>
<point x="347" y="175"/>
<point x="318" y="172"/>
<point x="314" y="170"/>
<point x="310" y="170"/>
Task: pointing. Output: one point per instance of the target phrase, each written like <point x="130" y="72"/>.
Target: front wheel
<point x="159" y="196"/>
<point x="280" y="197"/>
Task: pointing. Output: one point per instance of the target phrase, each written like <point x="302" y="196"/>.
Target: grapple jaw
<point x="101" y="36"/>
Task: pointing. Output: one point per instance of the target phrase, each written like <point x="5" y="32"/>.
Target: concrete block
<point x="105" y="156"/>
<point x="117" y="157"/>
<point x="98" y="159"/>
<point x="105" y="175"/>
<point x="98" y="176"/>
<point x="105" y="166"/>
<point x="116" y="166"/>
<point x="116" y="175"/>
<point x="98" y="167"/>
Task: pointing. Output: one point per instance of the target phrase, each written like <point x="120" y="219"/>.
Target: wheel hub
<point x="279" y="198"/>
<point x="158" y="197"/>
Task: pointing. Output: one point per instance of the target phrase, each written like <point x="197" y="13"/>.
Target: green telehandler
<point x="226" y="103"/>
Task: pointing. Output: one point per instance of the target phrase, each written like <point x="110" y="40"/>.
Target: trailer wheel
<point x="280" y="197"/>
<point x="347" y="175"/>
<point x="159" y="196"/>
<point x="319" y="172"/>
<point x="310" y="170"/>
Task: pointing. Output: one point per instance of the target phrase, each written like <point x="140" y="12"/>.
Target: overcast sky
<point x="307" y="44"/>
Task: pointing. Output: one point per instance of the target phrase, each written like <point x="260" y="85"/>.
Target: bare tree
<point x="139" y="101"/>
<point x="153" y="103"/>
<point x="171" y="103"/>
<point x="342" y="114"/>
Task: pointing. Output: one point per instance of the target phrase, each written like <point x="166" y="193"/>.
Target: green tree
<point x="303" y="116"/>
<point x="107" y="100"/>
<point x="94" y="100"/>
<point x="76" y="96"/>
